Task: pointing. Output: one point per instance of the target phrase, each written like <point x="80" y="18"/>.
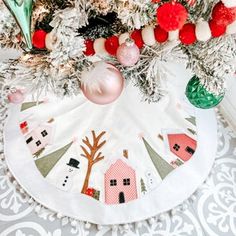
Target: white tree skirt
<point x="126" y="121"/>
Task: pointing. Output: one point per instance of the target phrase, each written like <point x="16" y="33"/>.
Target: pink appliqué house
<point x="38" y="137"/>
<point x="181" y="145"/>
<point x="120" y="183"/>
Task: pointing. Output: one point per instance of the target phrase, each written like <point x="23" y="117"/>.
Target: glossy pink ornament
<point x="128" y="53"/>
<point x="103" y="84"/>
<point x="16" y="96"/>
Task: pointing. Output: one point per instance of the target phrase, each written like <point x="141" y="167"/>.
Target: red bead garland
<point x="187" y="34"/>
<point x="38" y="39"/>
<point x="171" y="16"/>
<point x="112" y="44"/>
<point x="216" y="29"/>
<point x="223" y="15"/>
<point x="89" y="47"/>
<point x="136" y="35"/>
<point x="161" y="35"/>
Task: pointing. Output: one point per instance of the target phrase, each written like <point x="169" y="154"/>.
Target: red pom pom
<point x="89" y="47"/>
<point x="160" y="35"/>
<point x="187" y="34"/>
<point x="223" y="15"/>
<point x="216" y="29"/>
<point x="171" y="16"/>
<point x="38" y="39"/>
<point x="136" y="35"/>
<point x="112" y="44"/>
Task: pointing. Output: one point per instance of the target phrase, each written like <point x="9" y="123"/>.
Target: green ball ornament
<point x="199" y="96"/>
<point x="22" y="12"/>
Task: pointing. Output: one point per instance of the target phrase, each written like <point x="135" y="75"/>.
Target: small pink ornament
<point x="103" y="84"/>
<point x="16" y="96"/>
<point x="128" y="53"/>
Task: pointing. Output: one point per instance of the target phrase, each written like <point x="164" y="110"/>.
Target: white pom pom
<point x="173" y="35"/>
<point x="123" y="37"/>
<point x="231" y="29"/>
<point x="37" y="208"/>
<point x="87" y="225"/>
<point x="229" y="3"/>
<point x="59" y="215"/>
<point x="99" y="46"/>
<point x="203" y="31"/>
<point x="74" y="223"/>
<point x="148" y="36"/>
<point x="50" y="41"/>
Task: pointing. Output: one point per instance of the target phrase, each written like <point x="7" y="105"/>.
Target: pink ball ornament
<point x="128" y="53"/>
<point x="16" y="97"/>
<point x="103" y="84"/>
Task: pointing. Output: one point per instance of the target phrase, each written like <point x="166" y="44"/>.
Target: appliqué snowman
<point x="66" y="182"/>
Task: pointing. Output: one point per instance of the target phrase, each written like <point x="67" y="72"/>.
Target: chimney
<point x="125" y="153"/>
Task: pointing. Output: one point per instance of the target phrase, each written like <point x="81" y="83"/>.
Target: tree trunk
<point x="86" y="181"/>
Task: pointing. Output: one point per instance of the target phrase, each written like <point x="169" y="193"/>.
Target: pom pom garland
<point x="136" y="35"/>
<point x="89" y="48"/>
<point x="38" y="39"/>
<point x="229" y="3"/>
<point x="161" y="35"/>
<point x="111" y="45"/>
<point x="148" y="36"/>
<point x="171" y="16"/>
<point x="216" y="29"/>
<point x="203" y="31"/>
<point x="231" y="29"/>
<point x="187" y="34"/>
<point x="223" y="15"/>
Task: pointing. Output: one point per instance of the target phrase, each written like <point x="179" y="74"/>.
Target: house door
<point x="121" y="197"/>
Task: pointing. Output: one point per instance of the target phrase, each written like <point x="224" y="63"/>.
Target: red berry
<point x="38" y="39"/>
<point x="160" y="35"/>
<point x="187" y="34"/>
<point x="171" y="16"/>
<point x="89" y="47"/>
<point x="111" y="45"/>
<point x="216" y="29"/>
<point x="136" y="35"/>
<point x="223" y="15"/>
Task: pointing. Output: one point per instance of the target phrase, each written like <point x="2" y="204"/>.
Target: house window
<point x="189" y="150"/>
<point x="44" y="133"/>
<point x="126" y="181"/>
<point x="113" y="182"/>
<point x="38" y="143"/>
<point x="29" y="140"/>
<point x="176" y="147"/>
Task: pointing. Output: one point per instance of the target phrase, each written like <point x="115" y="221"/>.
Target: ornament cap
<point x="129" y="42"/>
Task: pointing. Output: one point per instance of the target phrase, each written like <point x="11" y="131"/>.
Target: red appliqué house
<point x="181" y="145"/>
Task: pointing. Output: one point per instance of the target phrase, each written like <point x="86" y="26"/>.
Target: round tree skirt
<point x="112" y="164"/>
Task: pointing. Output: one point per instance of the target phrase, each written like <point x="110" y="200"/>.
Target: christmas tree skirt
<point x="111" y="164"/>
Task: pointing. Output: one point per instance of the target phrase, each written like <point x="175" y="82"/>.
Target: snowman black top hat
<point x="73" y="163"/>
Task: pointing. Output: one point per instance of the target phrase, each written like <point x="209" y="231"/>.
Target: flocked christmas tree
<point x="137" y="37"/>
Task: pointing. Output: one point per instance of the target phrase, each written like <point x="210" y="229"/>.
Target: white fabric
<point x="124" y="121"/>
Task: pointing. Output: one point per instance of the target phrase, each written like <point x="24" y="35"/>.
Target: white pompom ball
<point x="173" y="35"/>
<point x="203" y="31"/>
<point x="148" y="36"/>
<point x="231" y="29"/>
<point x="123" y="37"/>
<point x="229" y="3"/>
<point x="99" y="46"/>
<point x="50" y="41"/>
